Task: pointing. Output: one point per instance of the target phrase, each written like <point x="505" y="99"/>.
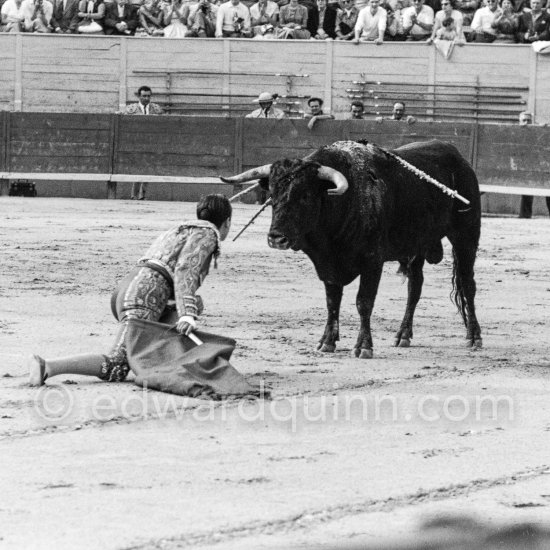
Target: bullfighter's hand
<point x="186" y="324"/>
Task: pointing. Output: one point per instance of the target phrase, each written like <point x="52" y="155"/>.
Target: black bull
<point x="387" y="213"/>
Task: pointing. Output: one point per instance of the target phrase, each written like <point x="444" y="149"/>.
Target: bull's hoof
<point x="363" y="353"/>
<point x="474" y="343"/>
<point x="403" y="342"/>
<point x="326" y="348"/>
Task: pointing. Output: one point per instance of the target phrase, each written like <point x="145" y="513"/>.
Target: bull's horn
<point x="339" y="180"/>
<point x="254" y="173"/>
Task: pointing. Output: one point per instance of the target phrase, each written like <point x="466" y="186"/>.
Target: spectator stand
<point x="200" y="103"/>
<point x="442" y="102"/>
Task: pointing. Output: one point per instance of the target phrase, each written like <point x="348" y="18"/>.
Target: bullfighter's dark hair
<point x="143" y="89"/>
<point x="214" y="208"/>
<point x="357" y="103"/>
<point x="315" y="99"/>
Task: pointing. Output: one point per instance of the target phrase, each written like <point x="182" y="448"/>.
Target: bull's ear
<point x="264" y="183"/>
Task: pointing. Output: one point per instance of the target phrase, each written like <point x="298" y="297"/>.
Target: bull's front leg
<point x="327" y="343"/>
<point x="368" y="287"/>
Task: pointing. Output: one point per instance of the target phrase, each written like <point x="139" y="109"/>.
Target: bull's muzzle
<point x="278" y="241"/>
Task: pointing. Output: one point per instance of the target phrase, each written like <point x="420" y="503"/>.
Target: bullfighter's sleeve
<point x="191" y="268"/>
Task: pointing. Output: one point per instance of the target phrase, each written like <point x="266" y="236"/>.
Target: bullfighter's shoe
<point x="37" y="370"/>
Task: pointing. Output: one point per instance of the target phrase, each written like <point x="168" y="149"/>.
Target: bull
<point x="351" y="206"/>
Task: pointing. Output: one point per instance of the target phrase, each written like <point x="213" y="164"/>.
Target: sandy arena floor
<point x="349" y="451"/>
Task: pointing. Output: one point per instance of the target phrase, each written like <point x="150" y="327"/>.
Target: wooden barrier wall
<point x="99" y="74"/>
<point x="208" y="146"/>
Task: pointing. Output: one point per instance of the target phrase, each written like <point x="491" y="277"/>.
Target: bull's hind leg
<point x="368" y="287"/>
<point x="464" y="285"/>
<point x="327" y="342"/>
<point x="415" y="277"/>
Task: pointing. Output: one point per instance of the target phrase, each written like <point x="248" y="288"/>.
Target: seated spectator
<point x="447" y="30"/>
<point x="293" y="21"/>
<point x="482" y="24"/>
<point x="312" y="13"/>
<point x="394" y="23"/>
<point x="520" y="6"/>
<point x="202" y="20"/>
<point x="534" y="25"/>
<point x="266" y="109"/>
<point x="233" y="20"/>
<point x="346" y="17"/>
<point x="316" y="112"/>
<point x="447" y="11"/>
<point x="467" y="8"/>
<point x="121" y="18"/>
<point x="371" y="23"/>
<point x="151" y="18"/>
<point x="65" y="16"/>
<point x="418" y="21"/>
<point x="38" y="15"/>
<point x="91" y="14"/>
<point x="324" y="21"/>
<point x="176" y="19"/>
<point x="357" y="110"/>
<point x="264" y="17"/>
<point x="13" y="16"/>
<point x="506" y="23"/>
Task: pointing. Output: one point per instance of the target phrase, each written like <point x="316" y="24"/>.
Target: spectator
<point x="38" y="15"/>
<point x="534" y="25"/>
<point x="151" y="18"/>
<point x="202" y="20"/>
<point x="357" y="110"/>
<point x="418" y="21"/>
<point x="467" y="8"/>
<point x="447" y="11"/>
<point x="121" y="18"/>
<point x="506" y="23"/>
<point x="447" y="30"/>
<point x="264" y="16"/>
<point x="324" y="21"/>
<point x="143" y="107"/>
<point x="482" y="24"/>
<point x="316" y="113"/>
<point x="346" y="17"/>
<point x="91" y="14"/>
<point x="520" y="6"/>
<point x="394" y="23"/>
<point x="266" y="109"/>
<point x="293" y="21"/>
<point x="398" y="113"/>
<point x="176" y="19"/>
<point x="371" y="23"/>
<point x="233" y="20"/>
<point x="65" y="16"/>
<point x="526" y="205"/>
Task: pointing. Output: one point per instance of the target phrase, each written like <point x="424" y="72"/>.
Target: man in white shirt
<point x="13" y="16"/>
<point x="233" y="20"/>
<point x="371" y="23"/>
<point x="264" y="14"/>
<point x="38" y="15"/>
<point x="418" y="21"/>
<point x="482" y="22"/>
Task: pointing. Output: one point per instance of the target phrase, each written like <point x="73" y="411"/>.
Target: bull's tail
<point x="457" y="293"/>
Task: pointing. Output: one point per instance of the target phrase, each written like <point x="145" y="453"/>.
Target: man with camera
<point x="233" y="20"/>
<point x="202" y="20"/>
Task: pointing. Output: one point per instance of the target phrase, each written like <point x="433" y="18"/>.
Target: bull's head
<point x="297" y="188"/>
